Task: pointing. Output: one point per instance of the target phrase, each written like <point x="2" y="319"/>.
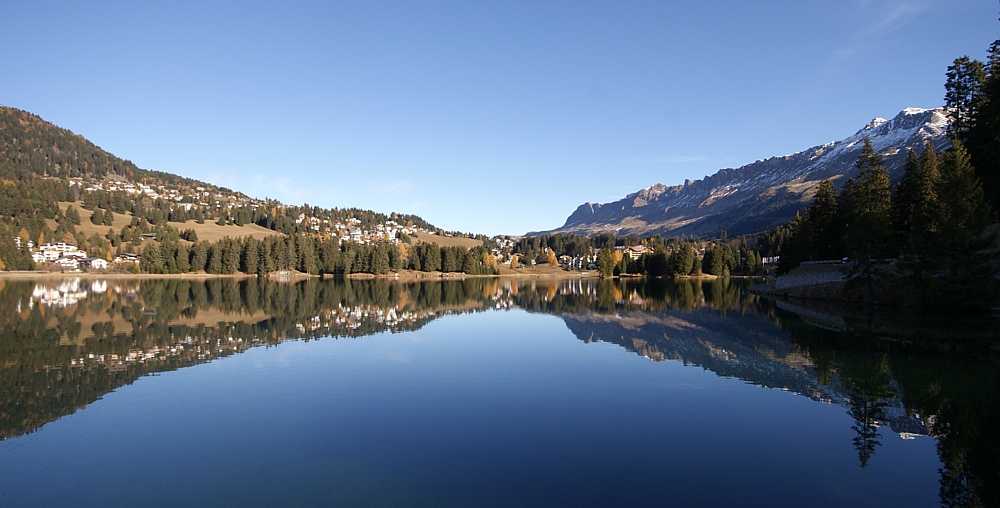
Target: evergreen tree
<point x="606" y="261"/>
<point x="182" y="258"/>
<point x="867" y="217"/>
<point x="199" y="256"/>
<point x="265" y="263"/>
<point x="230" y="255"/>
<point x="306" y="248"/>
<point x="966" y="215"/>
<point x="152" y="259"/>
<point x="379" y="263"/>
<point x="824" y="218"/>
<point x="215" y="255"/>
<point x="964" y="94"/>
<point x="250" y="257"/>
<point x="983" y="137"/>
<point x="73" y="215"/>
<point x="432" y="258"/>
<point x="917" y="213"/>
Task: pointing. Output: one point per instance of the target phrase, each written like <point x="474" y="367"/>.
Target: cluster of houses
<point x="66" y="256"/>
<point x="351" y="231"/>
<point x="186" y="199"/>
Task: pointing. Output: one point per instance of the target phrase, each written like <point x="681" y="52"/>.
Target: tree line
<point x="936" y="222"/>
<point x="933" y="223"/>
<point x="311" y="255"/>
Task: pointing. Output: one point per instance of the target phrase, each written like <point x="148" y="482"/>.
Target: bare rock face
<point x="761" y="195"/>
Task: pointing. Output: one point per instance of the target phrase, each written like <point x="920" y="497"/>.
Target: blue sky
<point x="486" y="117"/>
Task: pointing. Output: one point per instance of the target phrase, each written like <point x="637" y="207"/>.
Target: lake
<point x="485" y="392"/>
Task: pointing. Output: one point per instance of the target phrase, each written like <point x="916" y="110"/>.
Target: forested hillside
<point x="42" y="165"/>
<point x="932" y="237"/>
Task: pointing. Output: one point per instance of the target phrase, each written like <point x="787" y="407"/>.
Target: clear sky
<point x="485" y="117"/>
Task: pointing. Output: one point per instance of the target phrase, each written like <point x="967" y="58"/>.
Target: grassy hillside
<point x="444" y="241"/>
<point x="208" y="231"/>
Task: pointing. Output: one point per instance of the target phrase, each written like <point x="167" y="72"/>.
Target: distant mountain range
<point x="761" y="195"/>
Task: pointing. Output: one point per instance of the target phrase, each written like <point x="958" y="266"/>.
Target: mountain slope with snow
<point x="763" y="194"/>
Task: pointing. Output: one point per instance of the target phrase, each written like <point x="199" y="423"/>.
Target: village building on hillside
<point x="636" y="251"/>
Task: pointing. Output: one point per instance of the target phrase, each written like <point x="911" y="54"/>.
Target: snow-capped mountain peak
<point x="763" y="194"/>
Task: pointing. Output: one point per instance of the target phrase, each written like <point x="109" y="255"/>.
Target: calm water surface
<point x="484" y="393"/>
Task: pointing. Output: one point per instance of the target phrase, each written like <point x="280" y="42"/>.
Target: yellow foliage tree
<point x="490" y="261"/>
<point x="514" y="260"/>
<point x="552" y="259"/>
<point x="617" y="256"/>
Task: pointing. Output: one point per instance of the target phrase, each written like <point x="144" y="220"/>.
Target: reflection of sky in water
<point x="498" y="408"/>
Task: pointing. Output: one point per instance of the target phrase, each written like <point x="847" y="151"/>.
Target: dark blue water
<point x="491" y="408"/>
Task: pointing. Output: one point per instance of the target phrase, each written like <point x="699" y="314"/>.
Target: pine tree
<point x="230" y="255"/>
<point x="215" y="255"/>
<point x="606" y="262"/>
<point x="379" y="263"/>
<point x="917" y="213"/>
<point x="182" y="259"/>
<point x="867" y="216"/>
<point x="250" y="257"/>
<point x="965" y="213"/>
<point x="73" y="215"/>
<point x="824" y="218"/>
<point x="984" y="134"/>
<point x="152" y="259"/>
<point x="964" y="94"/>
<point x="199" y="256"/>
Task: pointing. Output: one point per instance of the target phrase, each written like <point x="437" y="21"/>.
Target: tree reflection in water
<point x="66" y="343"/>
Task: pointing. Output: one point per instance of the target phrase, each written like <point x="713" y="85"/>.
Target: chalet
<point x="55" y="250"/>
<point x="67" y="263"/>
<point x="127" y="258"/>
<point x="636" y="251"/>
<point x="95" y="263"/>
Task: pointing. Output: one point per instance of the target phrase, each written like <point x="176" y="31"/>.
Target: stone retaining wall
<point x="809" y="278"/>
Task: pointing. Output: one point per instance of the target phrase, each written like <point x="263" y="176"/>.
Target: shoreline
<point x="402" y="275"/>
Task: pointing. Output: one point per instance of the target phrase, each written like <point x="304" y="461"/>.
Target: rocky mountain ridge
<point x="761" y="195"/>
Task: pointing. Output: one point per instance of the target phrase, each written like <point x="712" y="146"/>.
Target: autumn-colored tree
<point x="551" y="258"/>
<point x="514" y="259"/>
<point x="490" y="261"/>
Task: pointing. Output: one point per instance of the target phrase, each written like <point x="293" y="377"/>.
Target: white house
<point x="95" y="263"/>
<point x="67" y="263"/>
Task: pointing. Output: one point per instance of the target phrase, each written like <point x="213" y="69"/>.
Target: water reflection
<point x="64" y="344"/>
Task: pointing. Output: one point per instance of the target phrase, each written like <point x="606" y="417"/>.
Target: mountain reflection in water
<point x="64" y="344"/>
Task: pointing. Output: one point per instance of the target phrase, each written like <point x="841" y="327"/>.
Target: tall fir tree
<point x="917" y="215"/>
<point x="866" y="211"/>
<point x="983" y="137"/>
<point x="964" y="94"/>
<point x="824" y="218"/>
<point x="966" y="215"/>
